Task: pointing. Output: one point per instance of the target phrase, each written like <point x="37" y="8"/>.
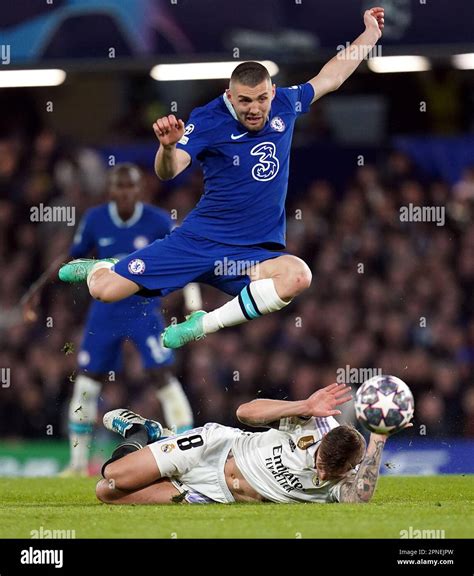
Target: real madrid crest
<point x="315" y="480"/>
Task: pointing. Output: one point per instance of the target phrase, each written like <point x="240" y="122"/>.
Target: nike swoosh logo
<point x="234" y="137"/>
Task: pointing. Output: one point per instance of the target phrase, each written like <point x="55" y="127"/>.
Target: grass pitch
<point x="424" y="503"/>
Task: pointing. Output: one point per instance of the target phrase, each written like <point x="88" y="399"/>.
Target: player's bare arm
<point x="322" y="403"/>
<point x="339" y="68"/>
<point x="361" y="487"/>
<point x="170" y="161"/>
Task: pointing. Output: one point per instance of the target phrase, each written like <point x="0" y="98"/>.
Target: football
<point x="384" y="404"/>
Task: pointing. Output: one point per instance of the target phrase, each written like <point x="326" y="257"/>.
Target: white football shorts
<point x="196" y="459"/>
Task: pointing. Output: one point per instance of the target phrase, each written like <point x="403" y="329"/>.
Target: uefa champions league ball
<point x="384" y="404"/>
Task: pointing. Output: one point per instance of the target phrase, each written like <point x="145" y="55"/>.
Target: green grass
<point x="425" y="503"/>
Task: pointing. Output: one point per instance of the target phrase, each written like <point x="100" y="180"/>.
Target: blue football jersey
<point x="245" y="173"/>
<point x="102" y="231"/>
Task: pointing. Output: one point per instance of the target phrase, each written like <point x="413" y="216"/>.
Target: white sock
<point x="176" y="408"/>
<point x="82" y="417"/>
<point x="258" y="298"/>
<point x="97" y="266"/>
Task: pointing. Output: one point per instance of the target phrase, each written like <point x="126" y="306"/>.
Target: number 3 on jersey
<point x="269" y="165"/>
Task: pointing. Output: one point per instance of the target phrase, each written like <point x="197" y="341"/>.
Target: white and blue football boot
<point x="122" y="420"/>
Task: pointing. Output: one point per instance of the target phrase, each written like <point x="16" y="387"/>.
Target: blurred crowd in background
<point x="386" y="294"/>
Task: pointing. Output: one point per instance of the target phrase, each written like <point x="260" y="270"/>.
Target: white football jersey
<point x="280" y="464"/>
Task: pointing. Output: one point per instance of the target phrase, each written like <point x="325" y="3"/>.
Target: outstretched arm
<point x="322" y="403"/>
<point x="361" y="487"/>
<point x="339" y="68"/>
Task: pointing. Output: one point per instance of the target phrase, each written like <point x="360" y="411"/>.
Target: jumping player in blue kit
<point x="113" y="230"/>
<point x="233" y="239"/>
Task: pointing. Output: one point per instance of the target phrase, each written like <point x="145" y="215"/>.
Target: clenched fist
<point x="169" y="130"/>
<point x="374" y="19"/>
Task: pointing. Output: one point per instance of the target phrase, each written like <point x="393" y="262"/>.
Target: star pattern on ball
<point x="385" y="402"/>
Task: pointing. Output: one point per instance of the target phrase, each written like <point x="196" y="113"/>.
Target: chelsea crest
<point x="277" y="124"/>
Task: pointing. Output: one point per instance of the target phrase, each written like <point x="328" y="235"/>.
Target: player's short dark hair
<point x="341" y="446"/>
<point x="250" y="74"/>
<point x="123" y="168"/>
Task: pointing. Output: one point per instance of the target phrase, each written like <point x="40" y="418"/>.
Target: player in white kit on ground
<point x="306" y="456"/>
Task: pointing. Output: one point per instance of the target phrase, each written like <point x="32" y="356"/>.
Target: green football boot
<point x="77" y="270"/>
<point x="178" y="335"/>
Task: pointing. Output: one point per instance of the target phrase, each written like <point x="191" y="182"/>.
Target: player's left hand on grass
<point x="374" y="20"/>
<point x="324" y="402"/>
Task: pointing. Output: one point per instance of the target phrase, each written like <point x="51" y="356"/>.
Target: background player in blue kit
<point x="242" y="140"/>
<point x="113" y="230"/>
